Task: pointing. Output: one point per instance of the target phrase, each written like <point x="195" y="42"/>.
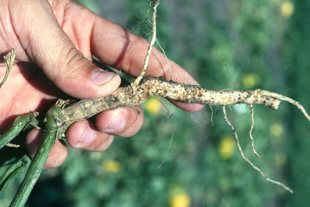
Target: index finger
<point x="120" y="48"/>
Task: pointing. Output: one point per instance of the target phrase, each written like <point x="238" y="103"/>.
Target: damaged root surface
<point x="150" y="86"/>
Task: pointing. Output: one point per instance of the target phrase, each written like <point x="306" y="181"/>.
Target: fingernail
<point x="116" y="124"/>
<point x="101" y="77"/>
<point x="88" y="136"/>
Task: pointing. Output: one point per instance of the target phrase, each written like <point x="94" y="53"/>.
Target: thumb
<point x="77" y="76"/>
<point x="51" y="48"/>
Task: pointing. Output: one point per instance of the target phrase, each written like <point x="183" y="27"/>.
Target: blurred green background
<point x="224" y="44"/>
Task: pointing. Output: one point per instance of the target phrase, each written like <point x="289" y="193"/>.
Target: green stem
<point x="38" y="161"/>
<point x="13" y="171"/>
<point x="18" y="125"/>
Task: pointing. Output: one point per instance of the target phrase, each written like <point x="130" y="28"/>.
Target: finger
<point x="84" y="135"/>
<point x="126" y="51"/>
<point x="123" y="122"/>
<point x="188" y="106"/>
<point x="58" y="154"/>
<point x="51" y="48"/>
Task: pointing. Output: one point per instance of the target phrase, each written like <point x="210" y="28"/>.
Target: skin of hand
<point x="54" y="42"/>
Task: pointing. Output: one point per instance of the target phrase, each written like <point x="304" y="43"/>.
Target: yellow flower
<point x="280" y="160"/>
<point x="287" y="8"/>
<point x="112" y="166"/>
<point x="227" y="147"/>
<point x="180" y="200"/>
<point x="152" y="105"/>
<point x="276" y="129"/>
<point x="250" y="80"/>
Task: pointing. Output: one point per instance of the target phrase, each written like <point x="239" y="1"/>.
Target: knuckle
<point x="102" y="142"/>
<point x="134" y="121"/>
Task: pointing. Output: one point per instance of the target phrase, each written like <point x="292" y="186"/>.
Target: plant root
<point x="247" y="160"/>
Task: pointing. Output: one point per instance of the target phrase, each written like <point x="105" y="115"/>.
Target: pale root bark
<point x="9" y="59"/>
<point x="151" y="86"/>
<point x="148" y="54"/>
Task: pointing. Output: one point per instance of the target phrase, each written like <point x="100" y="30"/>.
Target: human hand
<point x="54" y="42"/>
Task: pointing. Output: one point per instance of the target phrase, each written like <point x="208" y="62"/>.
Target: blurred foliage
<point x="224" y="44"/>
